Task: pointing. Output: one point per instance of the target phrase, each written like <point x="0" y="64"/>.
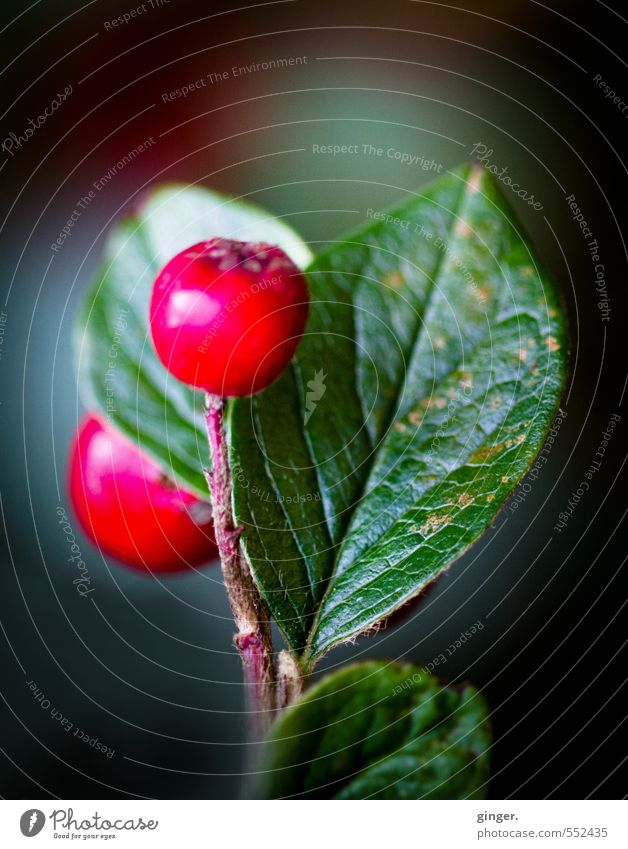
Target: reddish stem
<point x="254" y="638"/>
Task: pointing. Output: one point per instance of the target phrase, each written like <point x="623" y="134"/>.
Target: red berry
<point x="129" y="510"/>
<point x="227" y="316"/>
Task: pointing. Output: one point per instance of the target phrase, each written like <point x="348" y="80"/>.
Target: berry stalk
<point x="253" y="639"/>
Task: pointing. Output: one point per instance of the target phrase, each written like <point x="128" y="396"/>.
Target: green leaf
<point x="118" y="371"/>
<point x="434" y="361"/>
<point x="379" y="730"/>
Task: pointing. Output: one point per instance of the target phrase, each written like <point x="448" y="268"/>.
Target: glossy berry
<point x="227" y="316"/>
<point x="129" y="510"/>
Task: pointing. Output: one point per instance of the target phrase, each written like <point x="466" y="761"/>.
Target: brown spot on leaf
<point x="484" y="454"/>
<point x="552" y="344"/>
<point x="462" y="228"/>
<point x="485" y="292"/>
<point x="512" y="441"/>
<point x="474" y="180"/>
<point x="433" y="523"/>
<point x="466" y="380"/>
<point x="394" y="279"/>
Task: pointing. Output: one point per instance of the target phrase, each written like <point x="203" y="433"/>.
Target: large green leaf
<point x="379" y="730"/>
<point x="434" y="361"/>
<point x="118" y="371"/>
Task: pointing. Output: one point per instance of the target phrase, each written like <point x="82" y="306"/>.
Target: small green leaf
<point x="118" y="371"/>
<point x="379" y="730"/>
<point x="432" y="366"/>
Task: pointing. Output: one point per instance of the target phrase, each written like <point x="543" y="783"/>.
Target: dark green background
<point x="149" y="668"/>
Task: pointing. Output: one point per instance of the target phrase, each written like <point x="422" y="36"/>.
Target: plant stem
<point x="290" y="680"/>
<point x="253" y="639"/>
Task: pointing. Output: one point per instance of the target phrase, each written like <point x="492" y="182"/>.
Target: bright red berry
<point x="129" y="510"/>
<point x="227" y="316"/>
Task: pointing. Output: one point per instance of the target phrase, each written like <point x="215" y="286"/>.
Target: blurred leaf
<point x="379" y="730"/>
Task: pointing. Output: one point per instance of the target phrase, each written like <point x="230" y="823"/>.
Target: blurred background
<point x="149" y="669"/>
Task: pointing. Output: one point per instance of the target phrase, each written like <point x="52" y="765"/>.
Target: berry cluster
<point x="226" y="317"/>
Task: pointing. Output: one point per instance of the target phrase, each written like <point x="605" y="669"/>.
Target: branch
<point x="253" y="639"/>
